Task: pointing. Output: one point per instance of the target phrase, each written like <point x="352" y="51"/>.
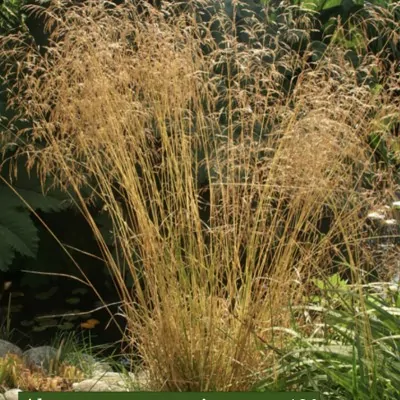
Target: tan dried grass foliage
<point x="14" y="373"/>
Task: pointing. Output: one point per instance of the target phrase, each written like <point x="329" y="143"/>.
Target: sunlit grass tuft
<point x="132" y="105"/>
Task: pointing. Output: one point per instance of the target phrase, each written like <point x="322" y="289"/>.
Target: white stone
<point x="12" y="394"/>
<point x="91" y="385"/>
<point x="113" y="382"/>
<point x="396" y="204"/>
<point x="375" y="215"/>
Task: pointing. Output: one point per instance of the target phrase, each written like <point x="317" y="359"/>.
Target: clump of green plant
<point x="354" y="351"/>
<point x="215" y="177"/>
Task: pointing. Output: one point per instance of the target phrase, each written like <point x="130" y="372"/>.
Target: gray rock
<point x="2" y="397"/>
<point x="12" y="394"/>
<point x="9" y="348"/>
<point x="42" y="357"/>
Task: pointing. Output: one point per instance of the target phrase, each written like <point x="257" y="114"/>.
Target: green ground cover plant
<point x="353" y="351"/>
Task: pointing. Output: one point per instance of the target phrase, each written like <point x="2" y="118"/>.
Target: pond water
<point x="38" y="315"/>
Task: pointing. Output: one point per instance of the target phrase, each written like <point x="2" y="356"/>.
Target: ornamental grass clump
<point x="215" y="178"/>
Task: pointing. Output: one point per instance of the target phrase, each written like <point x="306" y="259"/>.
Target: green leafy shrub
<point x="19" y="198"/>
